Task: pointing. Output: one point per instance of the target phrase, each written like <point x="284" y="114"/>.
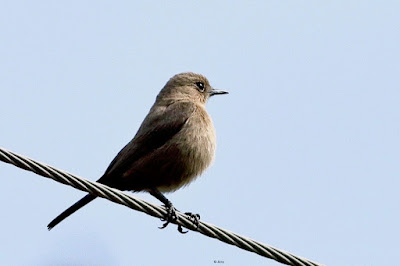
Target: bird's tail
<point x="79" y="204"/>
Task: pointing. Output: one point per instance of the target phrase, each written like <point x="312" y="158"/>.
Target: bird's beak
<point x="215" y="92"/>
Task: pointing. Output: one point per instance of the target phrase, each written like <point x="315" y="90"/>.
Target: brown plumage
<point x="174" y="144"/>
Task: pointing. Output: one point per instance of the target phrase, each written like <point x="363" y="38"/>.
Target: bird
<point x="175" y="143"/>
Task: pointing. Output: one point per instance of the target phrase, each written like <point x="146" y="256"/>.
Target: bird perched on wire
<point x="175" y="143"/>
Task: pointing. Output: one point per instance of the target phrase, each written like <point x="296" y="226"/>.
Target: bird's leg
<point x="171" y="211"/>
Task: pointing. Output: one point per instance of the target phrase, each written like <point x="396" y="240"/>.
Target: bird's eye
<point x="200" y="86"/>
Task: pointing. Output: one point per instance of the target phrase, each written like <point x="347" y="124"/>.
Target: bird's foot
<point x="170" y="217"/>
<point x="195" y="220"/>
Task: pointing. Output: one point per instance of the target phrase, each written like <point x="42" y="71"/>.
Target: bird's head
<point x="188" y="86"/>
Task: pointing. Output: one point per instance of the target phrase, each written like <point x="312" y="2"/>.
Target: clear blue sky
<point x="308" y="138"/>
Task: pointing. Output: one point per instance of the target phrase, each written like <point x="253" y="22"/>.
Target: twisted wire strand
<point x="120" y="197"/>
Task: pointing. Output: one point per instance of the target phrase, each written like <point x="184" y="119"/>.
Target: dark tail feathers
<point x="79" y="204"/>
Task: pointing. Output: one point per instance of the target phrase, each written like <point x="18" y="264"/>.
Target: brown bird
<point x="175" y="143"/>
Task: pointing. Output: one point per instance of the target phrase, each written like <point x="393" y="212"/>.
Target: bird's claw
<point x="180" y="229"/>
<point x="195" y="218"/>
<point x="170" y="217"/>
<point x="192" y="217"/>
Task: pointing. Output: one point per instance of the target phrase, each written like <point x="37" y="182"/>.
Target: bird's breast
<point x="200" y="137"/>
<point x="196" y="148"/>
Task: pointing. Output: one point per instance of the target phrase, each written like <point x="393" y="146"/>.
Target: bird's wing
<point x="154" y="132"/>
